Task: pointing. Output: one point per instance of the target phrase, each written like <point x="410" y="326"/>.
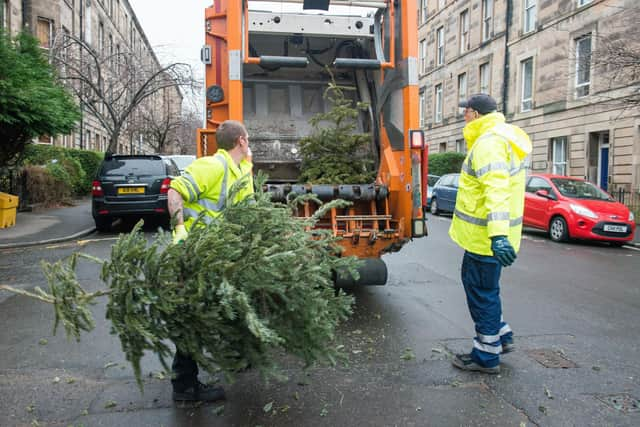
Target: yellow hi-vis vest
<point x="490" y="200"/>
<point x="205" y="184"/>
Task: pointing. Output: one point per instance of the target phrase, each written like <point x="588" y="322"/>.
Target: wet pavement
<point x="578" y="303"/>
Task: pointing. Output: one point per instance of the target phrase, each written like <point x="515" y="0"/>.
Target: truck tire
<point x="372" y="273"/>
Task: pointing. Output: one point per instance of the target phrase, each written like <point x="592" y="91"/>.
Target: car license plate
<point x="615" y="228"/>
<point x="131" y="190"/>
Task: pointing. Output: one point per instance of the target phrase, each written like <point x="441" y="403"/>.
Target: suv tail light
<point x="96" y="189"/>
<point x="164" y="188"/>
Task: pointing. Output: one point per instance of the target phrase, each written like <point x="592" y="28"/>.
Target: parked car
<point x="445" y="191"/>
<point x="572" y="208"/>
<point x="431" y="181"/>
<point x="132" y="186"/>
<point x="182" y="160"/>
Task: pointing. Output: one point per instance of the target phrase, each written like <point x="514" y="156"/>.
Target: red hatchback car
<point x="572" y="208"/>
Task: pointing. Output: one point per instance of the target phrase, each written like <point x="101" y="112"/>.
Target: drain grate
<point x="551" y="359"/>
<point x="621" y="402"/>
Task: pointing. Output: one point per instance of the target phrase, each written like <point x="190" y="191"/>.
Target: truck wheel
<point x="103" y="223"/>
<point x="434" y="207"/>
<point x="558" y="230"/>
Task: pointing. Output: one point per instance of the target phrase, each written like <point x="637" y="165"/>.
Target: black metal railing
<point x="631" y="199"/>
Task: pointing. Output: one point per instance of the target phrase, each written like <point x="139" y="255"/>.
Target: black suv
<point x="129" y="186"/>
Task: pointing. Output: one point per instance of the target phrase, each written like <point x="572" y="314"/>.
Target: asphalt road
<point x="573" y="304"/>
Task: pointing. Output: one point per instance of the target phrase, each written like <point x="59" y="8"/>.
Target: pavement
<point x="47" y="226"/>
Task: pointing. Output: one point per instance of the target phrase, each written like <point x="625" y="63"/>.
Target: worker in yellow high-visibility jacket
<point x="205" y="186"/>
<point x="487" y="224"/>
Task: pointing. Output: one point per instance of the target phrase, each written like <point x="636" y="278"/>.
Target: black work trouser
<point x="185" y="372"/>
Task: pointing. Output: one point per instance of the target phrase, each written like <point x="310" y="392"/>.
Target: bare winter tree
<point x="186" y="133"/>
<point x="158" y="121"/>
<point x="111" y="87"/>
<point x="616" y="56"/>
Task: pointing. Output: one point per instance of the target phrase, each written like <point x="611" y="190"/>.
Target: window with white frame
<point x="526" y="71"/>
<point x="44" y="32"/>
<point x="529" y="20"/>
<point x="461" y="146"/>
<point x="438" y="104"/>
<point x="583" y="65"/>
<point x="583" y="2"/>
<point x="421" y="108"/>
<point x="440" y="46"/>
<point x="4" y="10"/>
<point x="487" y="19"/>
<point x="485" y="78"/>
<point x="464" y="31"/>
<point x="441" y="4"/>
<point x="558" y="152"/>
<point x="101" y="38"/>
<point x="423" y="11"/>
<point x="423" y="56"/>
<point x="462" y="87"/>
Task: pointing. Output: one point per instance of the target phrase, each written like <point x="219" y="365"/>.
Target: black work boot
<point x="466" y="363"/>
<point x="199" y="393"/>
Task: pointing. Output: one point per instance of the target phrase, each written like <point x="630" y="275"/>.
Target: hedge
<point x="443" y="163"/>
<point x="80" y="166"/>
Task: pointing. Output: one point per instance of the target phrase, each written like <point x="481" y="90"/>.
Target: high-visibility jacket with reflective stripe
<point x="490" y="199"/>
<point x="206" y="182"/>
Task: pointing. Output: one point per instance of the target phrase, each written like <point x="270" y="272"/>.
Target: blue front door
<point x="604" y="167"/>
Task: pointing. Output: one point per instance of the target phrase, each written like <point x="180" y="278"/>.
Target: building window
<point x="421" y="108"/>
<point x="461" y="146"/>
<point x="583" y="65"/>
<point x="4" y="14"/>
<point x="485" y="78"/>
<point x="440" y="44"/>
<point x="101" y="38"/>
<point x="526" y="71"/>
<point x="443" y="147"/>
<point x="423" y="11"/>
<point x="441" y="4"/>
<point x="438" y="106"/>
<point x="44" y="32"/>
<point x="462" y="87"/>
<point x="464" y="31"/>
<point x="529" y="16"/>
<point x="423" y="56"/>
<point x="558" y="152"/>
<point x="583" y="2"/>
<point x="487" y="19"/>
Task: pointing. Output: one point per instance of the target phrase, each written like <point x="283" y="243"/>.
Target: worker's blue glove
<point x="179" y="234"/>
<point x="503" y="250"/>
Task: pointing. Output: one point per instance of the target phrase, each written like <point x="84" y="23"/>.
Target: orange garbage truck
<point x="266" y="66"/>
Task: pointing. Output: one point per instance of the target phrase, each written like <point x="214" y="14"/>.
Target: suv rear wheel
<point x="103" y="223"/>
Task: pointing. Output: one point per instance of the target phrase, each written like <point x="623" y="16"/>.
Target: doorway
<point x="598" y="168"/>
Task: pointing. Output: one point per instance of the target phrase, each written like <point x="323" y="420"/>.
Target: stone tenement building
<point x="108" y="26"/>
<point x="552" y="67"/>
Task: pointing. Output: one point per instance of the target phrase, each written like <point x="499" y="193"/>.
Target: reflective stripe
<point x="194" y="192"/>
<point x="483" y="222"/>
<point x="498" y="216"/>
<point x="516" y="170"/>
<point x="487" y="348"/>
<point x="497" y="166"/>
<point x="505" y="330"/>
<point x="222" y="198"/>
<point x="467" y="169"/>
<point x="488" y="339"/>
<point x="192" y="213"/>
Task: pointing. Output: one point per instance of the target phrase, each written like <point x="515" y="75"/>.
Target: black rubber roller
<point x="372" y="273"/>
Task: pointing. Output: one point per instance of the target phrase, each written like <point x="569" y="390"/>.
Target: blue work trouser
<point x="481" y="277"/>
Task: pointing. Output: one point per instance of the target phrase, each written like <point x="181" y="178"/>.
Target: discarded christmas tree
<point x="251" y="281"/>
<point x="334" y="153"/>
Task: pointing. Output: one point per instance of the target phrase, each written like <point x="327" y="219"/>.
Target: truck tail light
<point x="96" y="189"/>
<point x="417" y="139"/>
<point x="164" y="188"/>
